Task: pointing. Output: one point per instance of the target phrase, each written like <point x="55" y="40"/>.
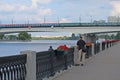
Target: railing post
<point x="52" y="66"/>
<point x="93" y="49"/>
<point x="105" y="45"/>
<point x="101" y="46"/>
<point x="109" y="44"/>
<point x="75" y="55"/>
<point x="30" y="65"/>
<point x="65" y="58"/>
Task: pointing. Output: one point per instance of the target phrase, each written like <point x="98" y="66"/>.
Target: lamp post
<point x="58" y="20"/>
<point x="28" y="20"/>
<point x="91" y="19"/>
<point x="12" y="21"/>
<point x="44" y="19"/>
<point x="118" y="20"/>
<point x="80" y="20"/>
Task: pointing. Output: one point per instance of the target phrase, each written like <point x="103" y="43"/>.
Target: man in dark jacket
<point x="81" y="51"/>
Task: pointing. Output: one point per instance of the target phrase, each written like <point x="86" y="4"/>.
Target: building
<point x="113" y="19"/>
<point x="99" y="21"/>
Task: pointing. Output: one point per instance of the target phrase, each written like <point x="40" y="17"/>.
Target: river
<point x="8" y="48"/>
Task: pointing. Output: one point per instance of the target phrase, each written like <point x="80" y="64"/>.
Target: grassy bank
<point x="52" y="38"/>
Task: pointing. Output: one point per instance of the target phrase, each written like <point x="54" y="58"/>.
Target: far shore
<point x="15" y="40"/>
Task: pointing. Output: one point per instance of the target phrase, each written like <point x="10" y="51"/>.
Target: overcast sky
<point x="35" y="11"/>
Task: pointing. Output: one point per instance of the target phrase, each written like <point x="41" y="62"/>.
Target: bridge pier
<point x="89" y="37"/>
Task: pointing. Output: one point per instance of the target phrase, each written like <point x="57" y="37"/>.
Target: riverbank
<point x="54" y="38"/>
<point x="44" y="38"/>
<point x="15" y="40"/>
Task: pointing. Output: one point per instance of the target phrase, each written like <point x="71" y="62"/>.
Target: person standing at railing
<point x="50" y="48"/>
<point x="81" y="52"/>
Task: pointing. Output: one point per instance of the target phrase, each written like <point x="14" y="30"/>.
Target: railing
<point x="13" y="67"/>
<point x="58" y="25"/>
<point x="88" y="51"/>
<point x="38" y="65"/>
<point x="96" y="48"/>
<point x="103" y="45"/>
<point x="50" y="62"/>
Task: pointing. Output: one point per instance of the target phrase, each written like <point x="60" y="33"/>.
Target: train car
<point x="69" y="24"/>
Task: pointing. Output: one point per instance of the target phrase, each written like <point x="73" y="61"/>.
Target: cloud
<point x="23" y="8"/>
<point x="6" y="7"/>
<point x="44" y="11"/>
<point x="23" y="11"/>
<point x="36" y="2"/>
<point x="64" y="20"/>
<point x="115" y="8"/>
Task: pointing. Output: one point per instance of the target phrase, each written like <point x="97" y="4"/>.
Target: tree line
<point x="20" y="36"/>
<point x="25" y="36"/>
<point x="109" y="37"/>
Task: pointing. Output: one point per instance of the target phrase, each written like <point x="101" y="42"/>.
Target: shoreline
<point x="15" y="40"/>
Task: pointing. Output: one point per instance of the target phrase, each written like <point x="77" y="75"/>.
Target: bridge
<point x="83" y="28"/>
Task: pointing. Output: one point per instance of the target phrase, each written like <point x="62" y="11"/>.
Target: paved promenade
<point x="103" y="66"/>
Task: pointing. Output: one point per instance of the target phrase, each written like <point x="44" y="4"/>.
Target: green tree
<point x="112" y="36"/>
<point x="24" y="36"/>
<point x="12" y="37"/>
<point x="107" y="37"/>
<point x="117" y="35"/>
<point x="65" y="37"/>
<point x="1" y="36"/>
<point x="73" y="37"/>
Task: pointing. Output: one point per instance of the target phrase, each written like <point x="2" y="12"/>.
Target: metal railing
<point x="50" y="62"/>
<point x="58" y="25"/>
<point x="88" y="51"/>
<point x="13" y="67"/>
<point x="96" y="48"/>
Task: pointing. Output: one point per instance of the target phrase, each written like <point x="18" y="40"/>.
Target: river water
<point x="8" y="48"/>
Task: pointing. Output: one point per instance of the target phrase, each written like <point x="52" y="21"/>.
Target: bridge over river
<point x="87" y="30"/>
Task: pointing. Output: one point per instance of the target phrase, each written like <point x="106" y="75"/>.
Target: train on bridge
<point x="57" y="25"/>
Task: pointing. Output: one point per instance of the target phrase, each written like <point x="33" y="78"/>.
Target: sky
<point x="38" y="11"/>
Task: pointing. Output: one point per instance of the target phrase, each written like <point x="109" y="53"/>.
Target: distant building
<point x="99" y="21"/>
<point x="113" y="19"/>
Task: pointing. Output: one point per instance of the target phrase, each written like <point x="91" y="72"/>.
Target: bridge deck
<point x="103" y="66"/>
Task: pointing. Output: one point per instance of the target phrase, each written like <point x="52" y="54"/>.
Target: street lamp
<point x="28" y="20"/>
<point x="80" y="19"/>
<point x="91" y="19"/>
<point x="58" y="20"/>
<point x="44" y="19"/>
<point x="12" y="21"/>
